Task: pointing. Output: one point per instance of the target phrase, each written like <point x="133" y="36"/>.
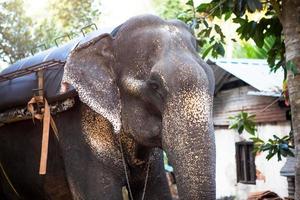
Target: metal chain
<point x="146" y="179"/>
<point x="126" y="173"/>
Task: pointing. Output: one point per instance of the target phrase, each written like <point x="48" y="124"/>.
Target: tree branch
<point x="276" y="7"/>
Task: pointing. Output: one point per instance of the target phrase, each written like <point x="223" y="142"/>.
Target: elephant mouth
<point x="151" y="138"/>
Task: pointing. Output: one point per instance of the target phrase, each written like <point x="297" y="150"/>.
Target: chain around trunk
<point x="126" y="172"/>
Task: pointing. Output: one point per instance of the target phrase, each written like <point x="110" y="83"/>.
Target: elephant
<point x="141" y="91"/>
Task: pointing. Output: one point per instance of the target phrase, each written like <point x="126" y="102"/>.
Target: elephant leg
<point x="90" y="178"/>
<point x="94" y="170"/>
<point x="103" y="185"/>
<point x="157" y="187"/>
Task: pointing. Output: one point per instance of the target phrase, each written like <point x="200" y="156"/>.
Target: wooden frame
<point x="32" y="69"/>
<point x="245" y="163"/>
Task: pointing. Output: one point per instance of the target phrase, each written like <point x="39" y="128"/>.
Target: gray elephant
<point x="141" y="91"/>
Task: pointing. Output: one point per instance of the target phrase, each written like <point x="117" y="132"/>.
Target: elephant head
<point x="149" y="81"/>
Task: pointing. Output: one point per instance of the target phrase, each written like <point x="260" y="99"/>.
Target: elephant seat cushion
<point x="18" y="90"/>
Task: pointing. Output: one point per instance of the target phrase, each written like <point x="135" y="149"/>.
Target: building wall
<point x="226" y="163"/>
<point x="230" y="102"/>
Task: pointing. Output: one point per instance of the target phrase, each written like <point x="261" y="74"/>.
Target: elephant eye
<point x="153" y="85"/>
<point x="155" y="89"/>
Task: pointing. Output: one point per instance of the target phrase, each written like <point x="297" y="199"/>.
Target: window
<point x="245" y="162"/>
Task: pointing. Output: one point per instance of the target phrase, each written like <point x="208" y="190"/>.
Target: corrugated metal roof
<point x="252" y="71"/>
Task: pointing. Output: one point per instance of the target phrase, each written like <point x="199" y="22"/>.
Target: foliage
<point x="169" y="9"/>
<point x="73" y="15"/>
<point x="243" y="121"/>
<point x="44" y="34"/>
<point x="211" y="37"/>
<point x="246" y="49"/>
<point x="15" y="32"/>
<point x="21" y="35"/>
<point x="276" y="146"/>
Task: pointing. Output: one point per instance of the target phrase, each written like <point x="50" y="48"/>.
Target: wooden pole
<point x="40" y="75"/>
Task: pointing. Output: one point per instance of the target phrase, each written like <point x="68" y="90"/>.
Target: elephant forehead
<point x="170" y="28"/>
<point x="168" y="34"/>
<point x="153" y="34"/>
<point x="143" y="48"/>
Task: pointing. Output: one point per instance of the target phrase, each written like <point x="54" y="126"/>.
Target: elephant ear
<point x="88" y="69"/>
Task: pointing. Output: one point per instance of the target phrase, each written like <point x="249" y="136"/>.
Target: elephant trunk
<point x="188" y="140"/>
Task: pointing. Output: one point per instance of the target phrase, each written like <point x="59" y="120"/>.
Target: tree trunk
<point x="291" y="28"/>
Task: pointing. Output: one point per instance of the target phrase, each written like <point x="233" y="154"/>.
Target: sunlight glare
<point x="36" y="8"/>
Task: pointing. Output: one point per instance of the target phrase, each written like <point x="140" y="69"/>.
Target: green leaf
<point x="240" y="8"/>
<point x="218" y="29"/>
<point x="259" y="38"/>
<point x="240" y="129"/>
<point x="243" y="121"/>
<point x="279" y="156"/>
<point x="251" y="28"/>
<point x="290" y="153"/>
<point x="204" y="7"/>
<point x="233" y="126"/>
<point x="239" y="20"/>
<point x="205" y="32"/>
<point x="205" y="23"/>
<point x="254" y="5"/>
<point x="244" y="115"/>
<point x="270" y="155"/>
<point x="276" y="137"/>
<point x="190" y="3"/>
<point x="266" y="147"/>
<point x="286" y="137"/>
<point x="250" y="130"/>
<point x="218" y="47"/>
<point x="207" y="50"/>
<point x="257" y="140"/>
<point x="227" y="15"/>
<point x="201" y="42"/>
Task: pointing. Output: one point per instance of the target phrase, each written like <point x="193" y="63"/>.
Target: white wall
<point x="226" y="163"/>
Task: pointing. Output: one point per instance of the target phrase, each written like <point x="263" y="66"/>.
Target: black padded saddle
<point x="17" y="91"/>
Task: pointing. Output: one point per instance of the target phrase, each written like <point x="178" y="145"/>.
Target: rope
<point x="126" y="173"/>
<point x="268" y="106"/>
<point x="8" y="181"/>
<point x="48" y="121"/>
